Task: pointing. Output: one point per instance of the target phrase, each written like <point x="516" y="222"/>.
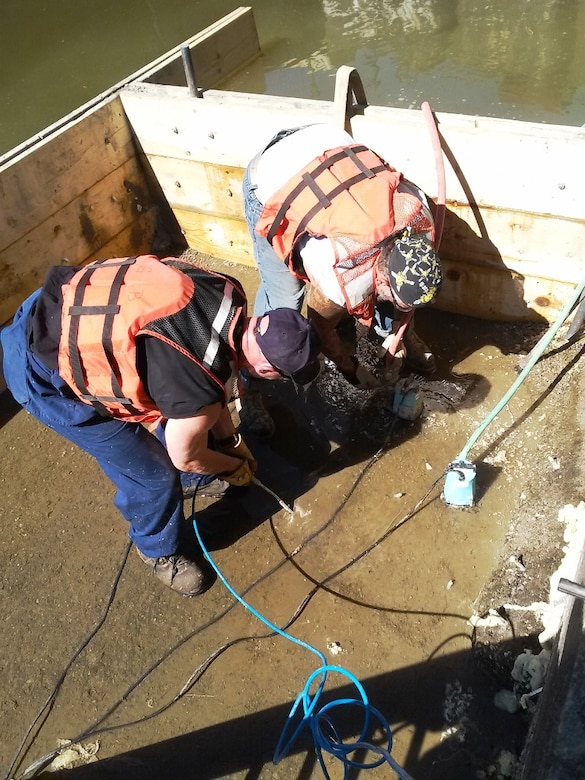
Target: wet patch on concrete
<point x="389" y="587"/>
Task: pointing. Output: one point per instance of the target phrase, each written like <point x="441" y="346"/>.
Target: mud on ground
<point x="374" y="570"/>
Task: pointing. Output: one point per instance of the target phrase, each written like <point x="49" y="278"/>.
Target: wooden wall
<point x="514" y="229"/>
<point x="79" y="195"/>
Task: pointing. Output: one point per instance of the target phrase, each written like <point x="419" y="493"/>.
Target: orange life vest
<point x="349" y="195"/>
<point x="107" y="304"/>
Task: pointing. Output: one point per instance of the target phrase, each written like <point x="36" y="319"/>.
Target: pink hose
<point x="391" y="344"/>
<point x="440" y="168"/>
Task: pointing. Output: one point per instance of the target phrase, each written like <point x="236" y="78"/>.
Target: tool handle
<point x="286" y="507"/>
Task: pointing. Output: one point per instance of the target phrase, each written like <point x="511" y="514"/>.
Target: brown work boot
<point x="181" y="574"/>
<point x="418" y="355"/>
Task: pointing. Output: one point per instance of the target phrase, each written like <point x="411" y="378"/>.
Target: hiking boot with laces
<point x="216" y="488"/>
<point x="418" y="355"/>
<point x="254" y="417"/>
<point x="179" y="573"/>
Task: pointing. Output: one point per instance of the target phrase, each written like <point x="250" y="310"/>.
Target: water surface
<point x="520" y="60"/>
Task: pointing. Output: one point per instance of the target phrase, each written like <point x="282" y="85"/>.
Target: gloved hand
<point x="360" y="377"/>
<point x="237" y="448"/>
<point x="241" y="477"/>
<point x="366" y="380"/>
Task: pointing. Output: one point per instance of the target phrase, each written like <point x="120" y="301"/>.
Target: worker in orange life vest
<point x="325" y="210"/>
<point x="102" y="352"/>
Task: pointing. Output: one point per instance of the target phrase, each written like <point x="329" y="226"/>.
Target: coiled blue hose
<point x="326" y="736"/>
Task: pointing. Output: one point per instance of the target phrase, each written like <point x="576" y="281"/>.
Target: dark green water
<point x="522" y="59"/>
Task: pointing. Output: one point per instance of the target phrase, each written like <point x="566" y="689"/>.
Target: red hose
<point x="440" y="168"/>
<point x="392" y="347"/>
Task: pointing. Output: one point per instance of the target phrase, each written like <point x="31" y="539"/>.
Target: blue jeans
<point x="384" y="316"/>
<point x="148" y="486"/>
<point x="278" y="288"/>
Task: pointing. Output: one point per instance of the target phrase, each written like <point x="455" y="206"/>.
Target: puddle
<point x="372" y="568"/>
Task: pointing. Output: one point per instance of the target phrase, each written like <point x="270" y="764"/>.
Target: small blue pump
<point x="407" y="402"/>
<point x="459" y="488"/>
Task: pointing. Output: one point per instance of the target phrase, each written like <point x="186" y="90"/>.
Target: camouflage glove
<point x="236" y="447"/>
<point x="241" y="477"/>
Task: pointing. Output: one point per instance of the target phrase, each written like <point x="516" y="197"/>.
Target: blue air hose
<point x="326" y="736"/>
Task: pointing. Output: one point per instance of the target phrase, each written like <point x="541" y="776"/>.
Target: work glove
<point x="241" y="477"/>
<point x="361" y="377"/>
<point x="236" y="447"/>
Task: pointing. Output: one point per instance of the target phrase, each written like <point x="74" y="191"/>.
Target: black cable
<point x="53" y="695"/>
<point x="92" y="730"/>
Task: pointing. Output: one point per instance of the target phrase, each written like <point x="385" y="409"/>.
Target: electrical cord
<point x="535" y="355"/>
<point x="94" y="729"/>
<point x="53" y="695"/>
<point x="326" y="736"/>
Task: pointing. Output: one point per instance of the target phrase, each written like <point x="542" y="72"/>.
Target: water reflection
<point x="375" y="20"/>
<point x="517" y="60"/>
<point x="520" y="61"/>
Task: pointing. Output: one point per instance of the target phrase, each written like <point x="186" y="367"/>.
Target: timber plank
<point x="78" y="232"/>
<point x="505" y="295"/>
<point x="497" y="163"/>
<point x="213" y="189"/>
<point x="223" y="238"/>
<point x="60" y="169"/>
<point x="216" y="52"/>
<point x="522" y="166"/>
<point x="222" y="128"/>
<point x="84" y="224"/>
<point x="18" y="281"/>
<point x="527" y="243"/>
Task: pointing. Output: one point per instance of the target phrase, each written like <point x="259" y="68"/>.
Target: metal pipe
<point x="190" y="72"/>
<point x="572" y="588"/>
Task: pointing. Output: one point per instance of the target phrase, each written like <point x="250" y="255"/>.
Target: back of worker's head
<point x="409" y="269"/>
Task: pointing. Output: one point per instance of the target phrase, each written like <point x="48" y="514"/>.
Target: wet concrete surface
<point x="374" y="570"/>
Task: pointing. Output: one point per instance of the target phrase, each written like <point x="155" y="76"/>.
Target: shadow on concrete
<point x="421" y="698"/>
<point x="8" y="407"/>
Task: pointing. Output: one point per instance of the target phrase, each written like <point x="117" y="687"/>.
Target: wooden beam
<point x="217" y="52"/>
<point x="70" y="199"/>
<point x="513" y="188"/>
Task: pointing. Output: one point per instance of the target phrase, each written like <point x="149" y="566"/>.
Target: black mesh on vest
<point x="193" y="328"/>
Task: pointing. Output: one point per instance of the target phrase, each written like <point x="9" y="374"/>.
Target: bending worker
<point x="325" y="210"/>
<point x="103" y="353"/>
